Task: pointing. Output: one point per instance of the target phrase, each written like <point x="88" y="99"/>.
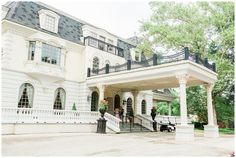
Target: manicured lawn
<point x="221" y="130"/>
<point x="226" y="131"/>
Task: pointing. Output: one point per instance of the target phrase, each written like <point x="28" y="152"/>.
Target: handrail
<point x="112" y="122"/>
<point x="147" y="123"/>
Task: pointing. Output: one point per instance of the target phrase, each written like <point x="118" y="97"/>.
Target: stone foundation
<point x="184" y="133"/>
<point x="211" y="131"/>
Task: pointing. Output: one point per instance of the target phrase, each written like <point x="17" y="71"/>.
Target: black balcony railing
<point x="153" y="61"/>
<point x="96" y="43"/>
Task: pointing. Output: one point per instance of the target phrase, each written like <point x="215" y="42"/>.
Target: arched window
<point x="117" y="67"/>
<point x="107" y="62"/>
<point x="26" y="93"/>
<point x="143" y="107"/>
<point x="60" y="99"/>
<point x="94" y="101"/>
<point x="95" y="65"/>
<point x="129" y="108"/>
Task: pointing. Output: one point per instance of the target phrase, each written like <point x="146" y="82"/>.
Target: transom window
<point x="95" y="65"/>
<point x="60" y="98"/>
<point x="51" y="54"/>
<point x="26" y="93"/>
<point x="31" y="52"/>
<point x="143" y="107"/>
<point x="49" y="23"/>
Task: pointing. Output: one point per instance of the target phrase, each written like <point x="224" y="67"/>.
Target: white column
<point x="169" y="107"/>
<point x="209" y="88"/>
<point x="101" y="89"/>
<point x="210" y="130"/>
<point x="135" y="94"/>
<point x="183" y="105"/>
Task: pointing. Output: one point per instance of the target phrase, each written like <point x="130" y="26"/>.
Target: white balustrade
<point x="30" y="115"/>
<point x="112" y="122"/>
<point x="146" y="122"/>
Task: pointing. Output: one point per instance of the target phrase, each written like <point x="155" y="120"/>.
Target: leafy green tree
<point x="206" y="28"/>
<point x="74" y="107"/>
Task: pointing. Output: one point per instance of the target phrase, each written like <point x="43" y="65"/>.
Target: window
<point x="93" y="41"/>
<point x="94" y="101"/>
<point x="143" y="107"/>
<point x="117" y="67"/>
<point x="31" y="52"/>
<point x="49" y="23"/>
<point x="26" y="93"/>
<point x="95" y="65"/>
<point x="110" y="46"/>
<point x="51" y="54"/>
<point x="60" y="98"/>
<point x="48" y="20"/>
<point x="101" y="43"/>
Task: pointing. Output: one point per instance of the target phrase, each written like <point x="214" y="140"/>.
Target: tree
<point x="74" y="107"/>
<point x="206" y="28"/>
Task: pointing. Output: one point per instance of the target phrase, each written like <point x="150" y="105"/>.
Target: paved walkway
<point x="132" y="144"/>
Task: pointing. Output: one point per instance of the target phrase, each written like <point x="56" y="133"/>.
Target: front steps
<point x="135" y="127"/>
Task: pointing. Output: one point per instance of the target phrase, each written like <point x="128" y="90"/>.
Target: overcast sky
<point x="119" y="17"/>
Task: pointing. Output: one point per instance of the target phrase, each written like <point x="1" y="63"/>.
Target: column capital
<point x="135" y="92"/>
<point x="209" y="86"/>
<point x="182" y="78"/>
<point x="101" y="86"/>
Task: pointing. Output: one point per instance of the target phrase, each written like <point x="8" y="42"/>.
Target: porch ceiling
<point x="156" y="77"/>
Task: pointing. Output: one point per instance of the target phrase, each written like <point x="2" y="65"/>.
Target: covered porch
<point x="178" y="74"/>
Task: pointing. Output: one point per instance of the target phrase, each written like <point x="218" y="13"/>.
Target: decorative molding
<point x="183" y="78"/>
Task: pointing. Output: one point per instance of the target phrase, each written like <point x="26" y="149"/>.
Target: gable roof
<point x="26" y="13"/>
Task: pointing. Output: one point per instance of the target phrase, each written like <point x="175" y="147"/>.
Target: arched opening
<point x="60" y="99"/>
<point x="94" y="101"/>
<point x="129" y="108"/>
<point x="143" y="105"/>
<point x="26" y="93"/>
<point x="117" y="102"/>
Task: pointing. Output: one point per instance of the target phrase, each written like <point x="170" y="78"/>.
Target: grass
<point x="228" y="131"/>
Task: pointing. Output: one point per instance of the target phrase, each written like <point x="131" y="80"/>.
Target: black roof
<point x="26" y="13"/>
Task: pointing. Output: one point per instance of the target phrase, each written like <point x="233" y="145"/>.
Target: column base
<point x="184" y="133"/>
<point x="211" y="131"/>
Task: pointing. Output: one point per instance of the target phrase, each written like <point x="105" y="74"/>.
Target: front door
<point x="117" y="102"/>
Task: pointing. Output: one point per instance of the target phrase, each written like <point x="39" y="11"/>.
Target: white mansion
<point x="52" y="61"/>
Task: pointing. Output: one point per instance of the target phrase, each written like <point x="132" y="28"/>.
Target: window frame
<point x="51" y="55"/>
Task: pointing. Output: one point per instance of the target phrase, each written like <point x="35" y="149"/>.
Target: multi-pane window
<point x="101" y="43"/>
<point x="110" y="46"/>
<point x="93" y="41"/>
<point x="51" y="54"/>
<point x="60" y="98"/>
<point x="31" y="52"/>
<point x="143" y="107"/>
<point x="49" y="23"/>
<point x="117" y="67"/>
<point x="95" y="65"/>
<point x="94" y="101"/>
<point x="26" y="93"/>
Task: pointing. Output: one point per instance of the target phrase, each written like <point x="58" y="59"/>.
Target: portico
<point x="180" y="74"/>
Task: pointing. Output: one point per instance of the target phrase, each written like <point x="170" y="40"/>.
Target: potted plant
<point x="103" y="106"/>
<point x="153" y="113"/>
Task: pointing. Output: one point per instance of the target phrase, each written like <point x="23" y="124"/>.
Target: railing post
<point x="88" y="72"/>
<point x="206" y="62"/>
<point x="197" y="58"/>
<point x="154" y="59"/>
<point x="186" y="53"/>
<point x="107" y="68"/>
<point x="214" y="67"/>
<point x="128" y="64"/>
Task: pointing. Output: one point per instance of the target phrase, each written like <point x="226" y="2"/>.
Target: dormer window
<point x="48" y="20"/>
